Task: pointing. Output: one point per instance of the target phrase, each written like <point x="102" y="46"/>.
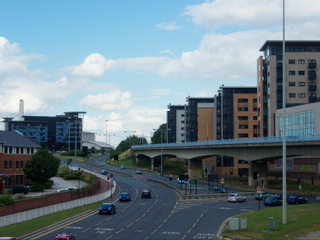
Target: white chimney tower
<point x="21" y="110"/>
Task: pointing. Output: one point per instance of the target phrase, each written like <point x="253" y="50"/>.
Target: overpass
<point x="257" y="151"/>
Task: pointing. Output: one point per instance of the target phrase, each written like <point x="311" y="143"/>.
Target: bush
<point x="71" y="177"/>
<point x="21" y="197"/>
<point x="6" y="199"/>
<point x="64" y="173"/>
<point x="36" y="189"/>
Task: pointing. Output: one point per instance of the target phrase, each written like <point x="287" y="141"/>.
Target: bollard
<point x="271" y="223"/>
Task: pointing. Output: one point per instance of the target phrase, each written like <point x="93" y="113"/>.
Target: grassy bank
<point x="301" y="219"/>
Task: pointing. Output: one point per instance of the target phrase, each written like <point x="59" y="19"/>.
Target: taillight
<point x="128" y="197"/>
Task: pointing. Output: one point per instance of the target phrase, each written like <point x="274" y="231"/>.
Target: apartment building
<point x="300" y="79"/>
<point x="177" y="123"/>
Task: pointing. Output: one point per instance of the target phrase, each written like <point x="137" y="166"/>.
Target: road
<point x="164" y="216"/>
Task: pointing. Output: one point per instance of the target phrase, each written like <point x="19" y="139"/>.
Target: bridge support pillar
<point x="195" y="165"/>
<point x="260" y="167"/>
<point x="152" y="164"/>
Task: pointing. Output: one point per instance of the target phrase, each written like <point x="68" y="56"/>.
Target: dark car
<point x="272" y="201"/>
<point x="278" y="196"/>
<point x="63" y="236"/>
<point x="262" y="195"/>
<point x="107" y="208"/>
<point x="220" y="189"/>
<point x="104" y="172"/>
<point x="21" y="189"/>
<point x="297" y="200"/>
<point x="145" y="193"/>
<point x="138" y="171"/>
<point x="124" y="197"/>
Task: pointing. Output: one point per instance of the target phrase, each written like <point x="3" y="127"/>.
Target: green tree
<point x="130" y="141"/>
<point x="42" y="167"/>
<point x="156" y="138"/>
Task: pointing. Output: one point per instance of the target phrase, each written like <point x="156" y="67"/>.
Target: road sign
<point x="69" y="161"/>
<point x="259" y="189"/>
<point x="193" y="181"/>
<point x="222" y="180"/>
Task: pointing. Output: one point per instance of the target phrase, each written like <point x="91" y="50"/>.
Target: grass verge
<point x="301" y="219"/>
<point x="20" y="229"/>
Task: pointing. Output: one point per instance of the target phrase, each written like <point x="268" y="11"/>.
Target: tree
<point x="130" y="141"/>
<point x="156" y="138"/>
<point x="42" y="167"/>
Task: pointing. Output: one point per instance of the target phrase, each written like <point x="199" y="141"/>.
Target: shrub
<point x="21" y="197"/>
<point x="64" y="173"/>
<point x="71" y="177"/>
<point x="6" y="199"/>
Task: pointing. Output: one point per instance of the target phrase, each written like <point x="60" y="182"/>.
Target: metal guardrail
<point x="276" y="139"/>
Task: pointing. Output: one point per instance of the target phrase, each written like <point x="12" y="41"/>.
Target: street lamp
<point x="168" y="129"/>
<point x="130" y="146"/>
<point x="161" y="173"/>
<point x="106" y="139"/>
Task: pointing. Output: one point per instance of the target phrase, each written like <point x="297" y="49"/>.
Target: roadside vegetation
<point x="301" y="220"/>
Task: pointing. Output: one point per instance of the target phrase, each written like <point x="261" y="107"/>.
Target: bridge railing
<point x="310" y="137"/>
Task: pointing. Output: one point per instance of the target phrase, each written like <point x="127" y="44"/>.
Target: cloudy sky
<point x="125" y="61"/>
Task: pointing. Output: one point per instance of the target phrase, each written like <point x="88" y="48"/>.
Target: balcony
<point x="312" y="65"/>
<point x="279" y="87"/>
<point x="312" y="75"/>
<point x="312" y="99"/>
<point x="312" y="87"/>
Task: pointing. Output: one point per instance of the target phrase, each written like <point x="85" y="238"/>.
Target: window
<point x="301" y="95"/>
<point x="312" y="95"/>
<point x="268" y="84"/>
<point x="182" y="134"/>
<point x="254" y="100"/>
<point x="242" y="109"/>
<point x="19" y="179"/>
<point x="301" y="84"/>
<point x="182" y="121"/>
<point x="311" y="61"/>
<point x="301" y="61"/>
<point x="292" y="84"/>
<point x="312" y="84"/>
<point x="292" y="61"/>
<point x="301" y="73"/>
<point x="242" y="100"/>
<point x="255" y="118"/>
<point x="182" y="128"/>
<point x="17" y="164"/>
<point x="5" y="164"/>
<point x="10" y="164"/>
<point x="255" y="109"/>
<point x="268" y="96"/>
<point x="21" y="164"/>
<point x="292" y="72"/>
<point x="292" y="95"/>
<point x="182" y="115"/>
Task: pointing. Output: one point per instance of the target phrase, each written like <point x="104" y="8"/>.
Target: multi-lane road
<point x="164" y="216"/>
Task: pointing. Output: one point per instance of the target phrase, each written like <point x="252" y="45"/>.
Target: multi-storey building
<point x="54" y="133"/>
<point x="177" y="123"/>
<point x="300" y="78"/>
<point x="15" y="151"/>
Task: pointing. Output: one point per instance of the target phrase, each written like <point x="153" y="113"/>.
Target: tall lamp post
<point x="168" y="129"/>
<point x="130" y="146"/>
<point x="106" y="139"/>
<point x="161" y="173"/>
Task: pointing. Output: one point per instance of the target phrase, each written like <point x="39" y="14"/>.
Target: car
<point x="107" y="208"/>
<point x="220" y="189"/>
<point x="138" y="171"/>
<point x="67" y="189"/>
<point x="262" y="195"/>
<point x="124" y="197"/>
<point x="297" y="200"/>
<point x="272" y="201"/>
<point x="21" y="189"/>
<point x="63" y="236"/>
<point x="278" y="196"/>
<point x="101" y="164"/>
<point x="123" y="167"/>
<point x="7" y="238"/>
<point x="104" y="172"/>
<point x="236" y="197"/>
<point x="180" y="181"/>
<point x="145" y="193"/>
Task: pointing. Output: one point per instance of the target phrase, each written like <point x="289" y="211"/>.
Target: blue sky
<point x="126" y="60"/>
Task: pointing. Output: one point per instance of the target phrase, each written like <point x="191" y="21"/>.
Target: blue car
<point x="180" y="181"/>
<point x="123" y="167"/>
<point x="220" y="189"/>
<point x="138" y="171"/>
<point x="272" y="201"/>
<point x="146" y="193"/>
<point x="297" y="200"/>
<point x="104" y="172"/>
<point x="107" y="208"/>
<point x="124" y="197"/>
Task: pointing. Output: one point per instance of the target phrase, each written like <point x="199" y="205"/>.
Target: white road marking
<point x="120" y="231"/>
<point x="86" y="229"/>
<point x="98" y="223"/>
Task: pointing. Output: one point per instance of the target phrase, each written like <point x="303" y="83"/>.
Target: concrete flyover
<point x="257" y="151"/>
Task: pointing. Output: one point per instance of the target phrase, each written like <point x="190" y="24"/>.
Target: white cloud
<point x="167" y="51"/>
<point x="108" y="101"/>
<point x="168" y="26"/>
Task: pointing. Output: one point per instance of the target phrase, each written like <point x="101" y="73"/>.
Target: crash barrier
<point x="39" y="212"/>
<point x="215" y="195"/>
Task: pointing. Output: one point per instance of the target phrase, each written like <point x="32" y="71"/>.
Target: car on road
<point x="145" y="193"/>
<point x="101" y="164"/>
<point x="272" y="201"/>
<point x="278" y="196"/>
<point x="104" y="172"/>
<point x="297" y="199"/>
<point x="262" y="195"/>
<point x="63" y="236"/>
<point x="124" y="197"/>
<point x="220" y="189"/>
<point x="67" y="189"/>
<point x="236" y="197"/>
<point x="7" y="238"/>
<point x="21" y="189"/>
<point x="138" y="171"/>
<point x="123" y="167"/>
<point x="180" y="181"/>
<point x="107" y="208"/>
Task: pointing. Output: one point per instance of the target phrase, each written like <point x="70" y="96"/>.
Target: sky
<point x="125" y="61"/>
